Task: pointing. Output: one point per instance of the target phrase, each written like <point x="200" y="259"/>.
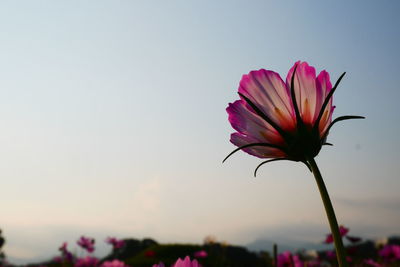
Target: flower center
<point x="305" y="143"/>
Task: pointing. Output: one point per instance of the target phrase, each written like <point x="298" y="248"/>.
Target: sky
<point x="113" y="121"/>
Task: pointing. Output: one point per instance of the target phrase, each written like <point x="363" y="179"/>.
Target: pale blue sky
<point x="113" y="120"/>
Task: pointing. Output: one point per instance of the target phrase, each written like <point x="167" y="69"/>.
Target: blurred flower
<point x="286" y="259"/>
<point x="87" y="262"/>
<point x="86" y="243"/>
<point x="201" y="254"/>
<point x="371" y="262"/>
<point x="66" y="254"/>
<point x="283" y="121"/>
<point x="159" y="265"/>
<point x="149" y="253"/>
<point x="390" y="252"/>
<point x="186" y="263"/>
<point x="116" y="243"/>
<point x="342" y="230"/>
<point x="63" y="247"/>
<point x="114" y="263"/>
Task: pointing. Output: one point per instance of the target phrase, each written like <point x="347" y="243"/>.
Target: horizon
<point x="284" y="243"/>
<point x="114" y="121"/>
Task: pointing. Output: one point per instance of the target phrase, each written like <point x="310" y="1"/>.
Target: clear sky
<point x="113" y="121"/>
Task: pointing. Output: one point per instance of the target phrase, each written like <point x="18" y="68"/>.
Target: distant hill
<point x="291" y="245"/>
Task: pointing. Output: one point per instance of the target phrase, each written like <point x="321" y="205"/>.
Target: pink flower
<point x="201" y="254"/>
<point x="159" y="265"/>
<point x="87" y="262"/>
<point x="186" y="263"/>
<point x="86" y="243"/>
<point x="66" y="255"/>
<point x="114" y="263"/>
<point x="390" y="252"/>
<point x="342" y="230"/>
<point x="286" y="259"/>
<point x="283" y="120"/>
<point x="116" y="243"/>
<point x="371" y="262"/>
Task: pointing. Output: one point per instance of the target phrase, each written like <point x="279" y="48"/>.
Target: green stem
<point x="340" y="251"/>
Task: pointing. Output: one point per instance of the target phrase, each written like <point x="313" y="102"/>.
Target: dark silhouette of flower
<point x="283" y="121"/>
<point x="86" y="243"/>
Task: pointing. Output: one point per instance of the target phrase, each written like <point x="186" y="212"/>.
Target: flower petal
<point x="305" y="90"/>
<point x="269" y="93"/>
<point x="324" y="86"/>
<point x="250" y="124"/>
<point x="258" y="151"/>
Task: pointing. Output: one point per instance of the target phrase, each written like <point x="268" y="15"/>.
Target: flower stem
<point x="340" y="251"/>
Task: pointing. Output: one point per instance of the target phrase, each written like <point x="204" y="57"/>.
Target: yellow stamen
<point x="306" y="111"/>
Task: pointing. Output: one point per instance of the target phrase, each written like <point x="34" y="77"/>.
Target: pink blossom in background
<point x="86" y="243"/>
<point x="371" y="262"/>
<point x="186" y="263"/>
<point x="159" y="265"/>
<point x="63" y="247"/>
<point x="390" y="252"/>
<point x="66" y="254"/>
<point x="286" y="259"/>
<point x="342" y="230"/>
<point x="116" y="243"/>
<point x="201" y="254"/>
<point x="86" y="262"/>
<point x="114" y="263"/>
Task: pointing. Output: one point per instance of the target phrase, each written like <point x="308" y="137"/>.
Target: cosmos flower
<point x="281" y="120"/>
<point x="113" y="263"/>
<point x="66" y="254"/>
<point x="201" y="254"/>
<point x="116" y="243"/>
<point x="87" y="262"/>
<point x="181" y="263"/>
<point x="342" y="230"/>
<point x="186" y="263"/>
<point x="390" y="252"/>
<point x="286" y="259"/>
<point x="86" y="243"/>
